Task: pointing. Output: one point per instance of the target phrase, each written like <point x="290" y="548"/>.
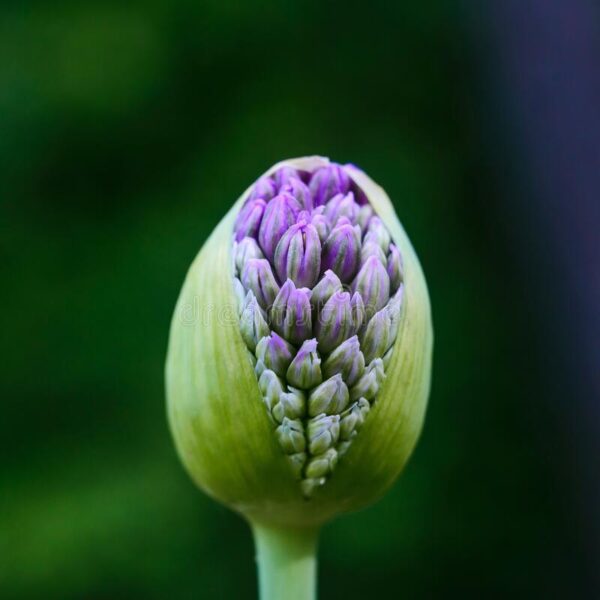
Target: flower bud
<point x="253" y="325"/>
<point x="291" y="313"/>
<point x="329" y="285"/>
<point x="377" y="232"/>
<point x="323" y="432"/>
<point x="377" y="366"/>
<point x="346" y="221"/>
<point x="305" y="370"/>
<point x="335" y="323"/>
<point x="368" y="385"/>
<point x="275" y="353"/>
<point x="327" y="182"/>
<point x="283" y="176"/>
<point x="298" y="255"/>
<point x="322" y="225"/>
<point x="270" y="387"/>
<point x="279" y="215"/>
<point x="352" y="419"/>
<point x="322" y="464"/>
<point x="330" y="397"/>
<point x="364" y="216"/>
<point x="248" y="411"/>
<point x="291" y="404"/>
<point x="258" y="277"/>
<point x="290" y="435"/>
<point x="264" y="188"/>
<point x="250" y="219"/>
<point x="246" y="249"/>
<point x="374" y="340"/>
<point x="310" y="485"/>
<point x="372" y="249"/>
<point x="372" y="284"/>
<point x="346" y="359"/>
<point x="341" y="252"/>
<point x="341" y="206"/>
<point x="297" y="462"/>
<point x="395" y="269"/>
<point x="358" y="311"/>
<point x="298" y="190"/>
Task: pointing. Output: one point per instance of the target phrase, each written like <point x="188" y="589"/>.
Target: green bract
<point x="225" y="437"/>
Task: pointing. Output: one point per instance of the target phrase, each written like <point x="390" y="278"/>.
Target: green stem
<point x="287" y="562"/>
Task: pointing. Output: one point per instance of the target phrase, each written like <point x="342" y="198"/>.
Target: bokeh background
<point x="126" y="131"/>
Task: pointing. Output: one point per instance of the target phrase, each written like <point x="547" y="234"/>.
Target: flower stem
<point x="287" y="562"/>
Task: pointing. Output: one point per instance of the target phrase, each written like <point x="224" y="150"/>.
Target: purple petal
<point x="249" y="219"/>
<point x="373" y="285"/>
<point x="280" y="213"/>
<point x="328" y="181"/>
<point x="341" y="252"/>
<point x="298" y="255"/>
<point x="264" y="188"/>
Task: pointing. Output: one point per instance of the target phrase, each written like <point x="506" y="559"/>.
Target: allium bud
<point x="342" y="205"/>
<point x="320" y="222"/>
<point x="271" y="388"/>
<point x="264" y="188"/>
<point x="246" y="249"/>
<point x="253" y="325"/>
<point x="373" y="285"/>
<point x="298" y="190"/>
<point x="291" y="313"/>
<point x="322" y="464"/>
<point x="305" y="370"/>
<point x="290" y="435"/>
<point x="377" y="232"/>
<point x="335" y="323"/>
<point x="358" y="310"/>
<point x="258" y="277"/>
<point x="353" y="418"/>
<point x="346" y="359"/>
<point x="374" y="340"/>
<point x="341" y="252"/>
<point x="298" y="255"/>
<point x="275" y="353"/>
<point x="290" y="404"/>
<point x="364" y="216"/>
<point x="309" y="485"/>
<point x="327" y="182"/>
<point x="368" y="385"/>
<point x="329" y="285"/>
<point x="330" y="397"/>
<point x="297" y="462"/>
<point x="395" y="269"/>
<point x="279" y="215"/>
<point x="284" y="175"/>
<point x="250" y="219"/>
<point x="323" y="432"/>
<point x="372" y="249"/>
<point x="346" y="221"/>
<point x="310" y="403"/>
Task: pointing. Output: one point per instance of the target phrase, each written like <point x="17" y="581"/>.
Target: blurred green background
<point x="126" y="131"/>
